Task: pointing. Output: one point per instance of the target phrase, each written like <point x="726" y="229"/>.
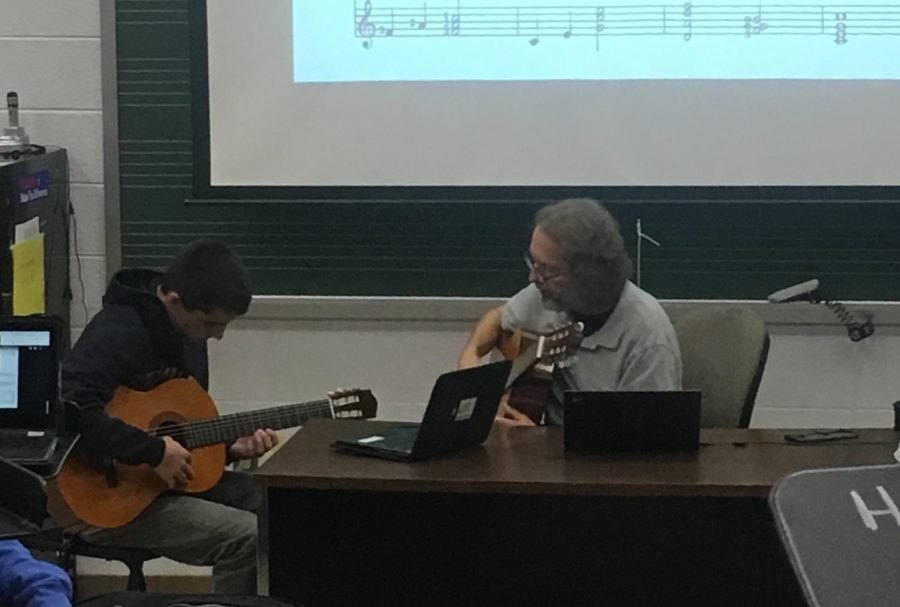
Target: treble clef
<point x="365" y="28"/>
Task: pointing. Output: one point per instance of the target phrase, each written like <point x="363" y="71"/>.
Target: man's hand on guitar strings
<point x="256" y="445"/>
<point x="507" y="416"/>
<point x="175" y="468"/>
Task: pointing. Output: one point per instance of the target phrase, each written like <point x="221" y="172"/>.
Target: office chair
<point x="23" y="500"/>
<point x="723" y="354"/>
<point x="66" y="546"/>
<point x="152" y="599"/>
<point x="838" y="527"/>
<point x="24" y="493"/>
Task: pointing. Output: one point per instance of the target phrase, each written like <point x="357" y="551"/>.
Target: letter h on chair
<point x="723" y="354"/>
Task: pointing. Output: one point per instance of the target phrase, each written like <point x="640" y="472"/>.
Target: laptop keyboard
<point x="19" y="447"/>
<point x="400" y="438"/>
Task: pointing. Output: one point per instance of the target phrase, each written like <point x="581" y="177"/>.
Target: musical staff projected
<point x="515" y="40"/>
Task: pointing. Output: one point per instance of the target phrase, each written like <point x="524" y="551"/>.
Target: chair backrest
<point x="23" y="493"/>
<point x="839" y="529"/>
<point x="723" y="352"/>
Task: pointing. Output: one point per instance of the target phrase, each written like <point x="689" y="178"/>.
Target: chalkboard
<point x="715" y="244"/>
<point x="841" y="528"/>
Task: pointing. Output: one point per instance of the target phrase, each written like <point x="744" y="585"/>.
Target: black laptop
<point x="23" y="501"/>
<point x="459" y="414"/>
<point x="623" y="422"/>
<point x="30" y="415"/>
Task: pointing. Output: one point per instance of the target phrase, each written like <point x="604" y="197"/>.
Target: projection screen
<point x="551" y="93"/>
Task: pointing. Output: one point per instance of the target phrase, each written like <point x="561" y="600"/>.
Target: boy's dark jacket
<point x="130" y="338"/>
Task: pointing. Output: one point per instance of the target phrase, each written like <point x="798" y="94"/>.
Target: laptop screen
<point x="29" y="373"/>
<point x="618" y="421"/>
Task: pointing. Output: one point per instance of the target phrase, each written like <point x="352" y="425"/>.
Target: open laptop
<point x="30" y="415"/>
<point x="23" y="501"/>
<point x="622" y="422"/>
<point x="459" y="414"/>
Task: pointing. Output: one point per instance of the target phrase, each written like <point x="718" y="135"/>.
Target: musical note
<point x="387" y="31"/>
<point x="537" y="33"/>
<point x="366" y="28"/>
<point x="568" y="33"/>
<point x="840" y="28"/>
<point x="451" y="22"/>
<point x="759" y="26"/>
<point x="599" y="24"/>
<point x="688" y="14"/>
<point x="423" y="23"/>
<point x="754" y="24"/>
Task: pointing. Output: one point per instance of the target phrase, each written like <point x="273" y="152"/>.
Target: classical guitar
<point x="534" y="358"/>
<point x="110" y="494"/>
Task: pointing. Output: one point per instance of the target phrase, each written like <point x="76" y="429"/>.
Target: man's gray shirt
<point x="636" y="349"/>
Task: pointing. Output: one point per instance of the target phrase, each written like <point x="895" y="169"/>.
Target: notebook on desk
<point x="30" y="413"/>
<point x="459" y="414"/>
<point x="622" y="422"/>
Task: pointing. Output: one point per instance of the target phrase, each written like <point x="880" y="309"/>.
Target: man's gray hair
<point x="592" y="247"/>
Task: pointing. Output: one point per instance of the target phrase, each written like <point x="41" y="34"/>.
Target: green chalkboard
<point x="715" y="244"/>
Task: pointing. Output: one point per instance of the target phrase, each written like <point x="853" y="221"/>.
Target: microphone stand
<point x="640" y="239"/>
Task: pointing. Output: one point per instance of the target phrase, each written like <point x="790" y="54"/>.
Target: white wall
<point x="50" y="55"/>
<point x="296" y="349"/>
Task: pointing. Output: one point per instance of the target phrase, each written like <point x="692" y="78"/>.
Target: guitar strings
<point x="209" y="428"/>
<point x="237" y="419"/>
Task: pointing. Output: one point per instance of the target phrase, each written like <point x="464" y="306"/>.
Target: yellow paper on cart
<point x="28" y="276"/>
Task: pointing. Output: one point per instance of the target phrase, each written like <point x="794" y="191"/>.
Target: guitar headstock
<point x="353" y="404"/>
<point x="559" y="345"/>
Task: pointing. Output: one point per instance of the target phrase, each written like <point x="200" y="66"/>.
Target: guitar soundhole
<point x="168" y="425"/>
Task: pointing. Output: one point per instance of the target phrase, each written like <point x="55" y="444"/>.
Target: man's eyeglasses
<point x="540" y="270"/>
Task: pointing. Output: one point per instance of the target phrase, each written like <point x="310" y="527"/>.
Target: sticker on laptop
<point x="370" y="439"/>
<point x="465" y="409"/>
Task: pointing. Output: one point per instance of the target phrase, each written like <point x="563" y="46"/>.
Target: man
<point x="152" y="323"/>
<point x="579" y="271"/>
<point x="28" y="582"/>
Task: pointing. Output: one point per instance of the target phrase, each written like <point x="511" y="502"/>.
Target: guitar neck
<point x="228" y="428"/>
<point x="523" y="362"/>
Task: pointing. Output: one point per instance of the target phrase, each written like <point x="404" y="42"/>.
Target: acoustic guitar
<point x="529" y="385"/>
<point x="110" y="494"/>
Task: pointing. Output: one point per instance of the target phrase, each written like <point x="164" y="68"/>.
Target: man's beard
<point x="552" y="304"/>
<point x="565" y="301"/>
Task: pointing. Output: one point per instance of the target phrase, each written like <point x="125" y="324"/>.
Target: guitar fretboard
<point x="228" y="428"/>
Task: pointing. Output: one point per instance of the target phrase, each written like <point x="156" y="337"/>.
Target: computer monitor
<point x="29" y="372"/>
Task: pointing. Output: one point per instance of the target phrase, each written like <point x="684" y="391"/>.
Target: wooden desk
<point x="517" y="520"/>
